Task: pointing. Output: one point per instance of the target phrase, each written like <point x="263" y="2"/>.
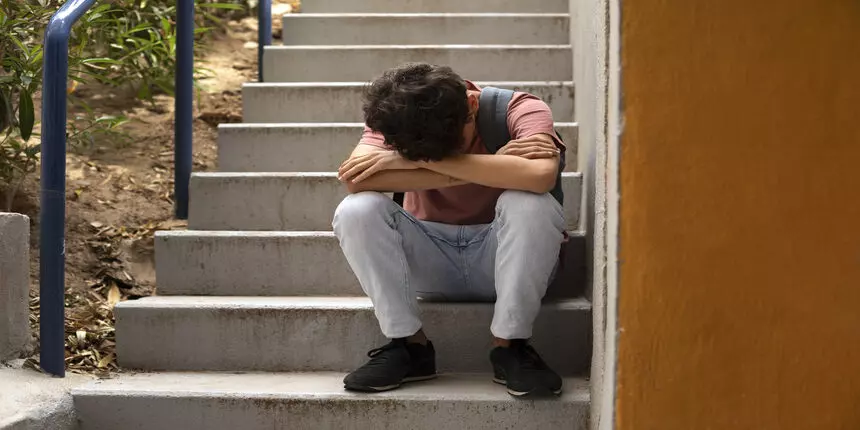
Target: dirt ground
<point x="120" y="191"/>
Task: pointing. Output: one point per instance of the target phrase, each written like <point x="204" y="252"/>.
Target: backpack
<point x="492" y="123"/>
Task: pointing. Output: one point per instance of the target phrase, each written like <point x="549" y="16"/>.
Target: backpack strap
<point x="492" y="118"/>
<point x="398" y="198"/>
<point x="493" y="127"/>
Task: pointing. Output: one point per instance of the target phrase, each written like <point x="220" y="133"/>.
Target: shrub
<point x="120" y="42"/>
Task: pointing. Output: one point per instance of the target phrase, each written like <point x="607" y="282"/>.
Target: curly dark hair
<point x="420" y="109"/>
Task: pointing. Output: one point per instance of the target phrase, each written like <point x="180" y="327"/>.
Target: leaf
<point x="105" y="361"/>
<point x="32" y="150"/>
<point x="114" y="295"/>
<point x="26" y="115"/>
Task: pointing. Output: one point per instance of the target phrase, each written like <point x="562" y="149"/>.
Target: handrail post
<point x="264" y="33"/>
<point x="52" y="219"/>
<point x="183" y="120"/>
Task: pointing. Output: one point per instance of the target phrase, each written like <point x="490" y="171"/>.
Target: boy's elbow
<point x="544" y="179"/>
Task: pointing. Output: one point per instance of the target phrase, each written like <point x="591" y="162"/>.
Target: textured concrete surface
<point x="287" y="263"/>
<point x="251" y="263"/>
<point x="590" y="31"/>
<point x="313" y="147"/>
<point x="426" y="28"/>
<point x="14" y="285"/>
<point x="323" y="333"/>
<point x="433" y="6"/>
<point x="30" y="400"/>
<point x="294" y="201"/>
<point x="335" y="63"/>
<point x="341" y="101"/>
<point x="305" y="401"/>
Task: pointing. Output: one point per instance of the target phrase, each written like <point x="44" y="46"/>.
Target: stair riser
<point x="283" y="148"/>
<point x="242" y="264"/>
<point x="276" y="264"/>
<point x="301" y="29"/>
<point x="330" y="339"/>
<point x="342" y="103"/>
<point x="292" y="64"/>
<point x="433" y="6"/>
<point x="211" y="412"/>
<point x="263" y="202"/>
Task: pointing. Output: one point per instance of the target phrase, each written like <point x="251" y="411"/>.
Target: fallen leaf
<point x="105" y="360"/>
<point x="114" y="295"/>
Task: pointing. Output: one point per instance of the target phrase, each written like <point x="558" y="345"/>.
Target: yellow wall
<point x="740" y="204"/>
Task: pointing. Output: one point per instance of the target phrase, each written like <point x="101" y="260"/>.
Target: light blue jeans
<point x="398" y="258"/>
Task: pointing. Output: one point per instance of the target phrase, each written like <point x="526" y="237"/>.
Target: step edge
<point x="440" y="47"/>
<point x="412" y="15"/>
<point x="312" y="303"/>
<point x="362" y="84"/>
<point x="323" y="125"/>
<point x="577" y="388"/>
<point x="298" y="175"/>
<point x="214" y="234"/>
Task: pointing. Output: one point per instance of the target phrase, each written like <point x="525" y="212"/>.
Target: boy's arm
<point x="511" y="172"/>
<point x="388" y="172"/>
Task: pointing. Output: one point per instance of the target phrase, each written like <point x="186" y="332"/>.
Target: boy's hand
<point x="530" y="148"/>
<point x="357" y="169"/>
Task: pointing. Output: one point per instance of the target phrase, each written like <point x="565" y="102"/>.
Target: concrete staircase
<point x="259" y="317"/>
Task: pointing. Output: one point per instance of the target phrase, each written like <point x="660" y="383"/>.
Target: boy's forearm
<point x="404" y="180"/>
<point x="499" y="171"/>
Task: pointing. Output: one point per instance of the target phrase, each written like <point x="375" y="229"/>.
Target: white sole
<point x="393" y="386"/>
<point x="520" y="393"/>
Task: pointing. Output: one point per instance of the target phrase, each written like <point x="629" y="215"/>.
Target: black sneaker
<point x="521" y="369"/>
<point x="392" y="365"/>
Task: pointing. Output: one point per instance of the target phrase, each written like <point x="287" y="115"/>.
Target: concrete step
<point x="294" y="201"/>
<point x="305" y="401"/>
<point x="341" y="101"/>
<point x="426" y="28"/>
<point x="435" y="6"/>
<point x="323" y="333"/>
<point x="245" y="263"/>
<point x="339" y="63"/>
<point x="312" y="147"/>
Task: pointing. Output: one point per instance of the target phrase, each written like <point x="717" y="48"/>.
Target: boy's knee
<point x="513" y="204"/>
<point x="357" y="208"/>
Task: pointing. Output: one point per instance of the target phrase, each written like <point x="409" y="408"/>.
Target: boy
<point x="473" y="226"/>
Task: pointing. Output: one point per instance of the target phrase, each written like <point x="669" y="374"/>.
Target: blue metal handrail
<point x="264" y="33"/>
<point x="183" y="121"/>
<point x="53" y="214"/>
<point x="52" y="218"/>
<point x="183" y="127"/>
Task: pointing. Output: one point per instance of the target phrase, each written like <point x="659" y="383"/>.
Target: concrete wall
<point x="740" y="215"/>
<point x="14" y="285"/>
<point x="589" y="33"/>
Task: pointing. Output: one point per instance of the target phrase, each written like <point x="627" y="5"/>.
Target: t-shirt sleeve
<point x="528" y="116"/>
<point x="373" y="138"/>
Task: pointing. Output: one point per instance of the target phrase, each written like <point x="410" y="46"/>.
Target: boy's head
<point x="420" y="109"/>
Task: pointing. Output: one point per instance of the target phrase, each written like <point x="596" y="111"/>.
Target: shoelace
<point x="378" y="356"/>
<point x="389" y="346"/>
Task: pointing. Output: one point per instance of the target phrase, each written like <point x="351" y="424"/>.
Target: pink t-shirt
<point x="474" y="204"/>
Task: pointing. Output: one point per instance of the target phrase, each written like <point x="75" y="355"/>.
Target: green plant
<point x="120" y="43"/>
